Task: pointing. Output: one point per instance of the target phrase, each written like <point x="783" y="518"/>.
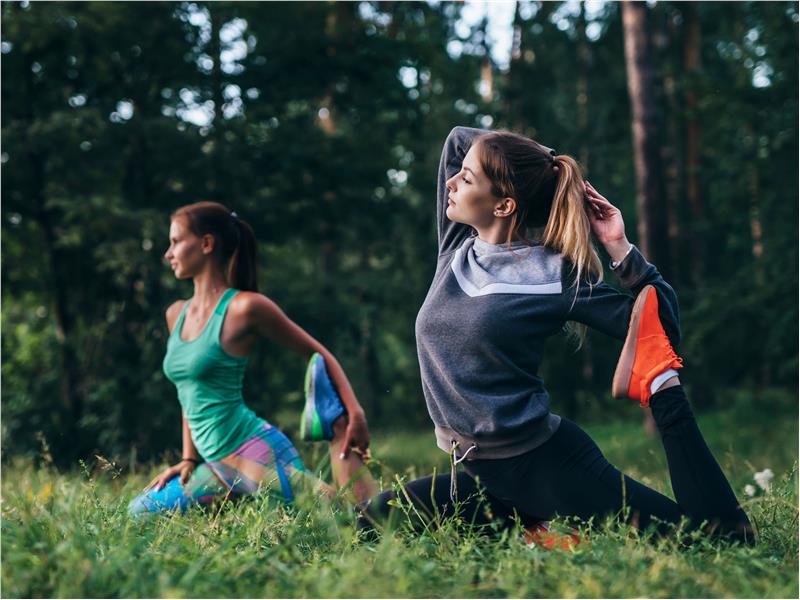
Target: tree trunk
<point x="516" y="40"/>
<point x="582" y="106"/>
<point x="645" y="127"/>
<point x="756" y="228"/>
<point x="338" y="27"/>
<point x="672" y="153"/>
<point x="652" y="225"/>
<point x="487" y="75"/>
<point x="692" y="65"/>
<point x="512" y="95"/>
<point x="582" y="88"/>
<point x="215" y="50"/>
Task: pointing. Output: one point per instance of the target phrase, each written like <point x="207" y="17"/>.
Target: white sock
<point x="661" y="379"/>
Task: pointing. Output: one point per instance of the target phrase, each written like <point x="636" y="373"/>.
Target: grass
<point x="68" y="535"/>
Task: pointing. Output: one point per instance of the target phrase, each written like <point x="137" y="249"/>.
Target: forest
<point x="321" y="125"/>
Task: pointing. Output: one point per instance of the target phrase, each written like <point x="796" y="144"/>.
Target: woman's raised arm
<point x="268" y="320"/>
<point x="602" y="307"/>
<point x="451" y="234"/>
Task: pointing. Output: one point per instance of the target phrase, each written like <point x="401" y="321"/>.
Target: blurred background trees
<point x="321" y="124"/>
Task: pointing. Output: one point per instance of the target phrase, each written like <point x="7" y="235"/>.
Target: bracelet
<point x="193" y="460"/>
<point x="615" y="263"/>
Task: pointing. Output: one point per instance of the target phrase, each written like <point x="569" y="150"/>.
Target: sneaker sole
<point x="624" y="370"/>
<point x="307" y="421"/>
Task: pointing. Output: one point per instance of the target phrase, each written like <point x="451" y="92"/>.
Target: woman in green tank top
<point x="227" y="448"/>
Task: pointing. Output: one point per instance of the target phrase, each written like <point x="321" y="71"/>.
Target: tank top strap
<point x="176" y="329"/>
<point x="215" y="325"/>
<point x="222" y="306"/>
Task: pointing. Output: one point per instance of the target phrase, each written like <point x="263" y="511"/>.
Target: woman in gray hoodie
<point x="495" y="298"/>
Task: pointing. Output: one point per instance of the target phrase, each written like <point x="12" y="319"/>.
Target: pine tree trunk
<point x="215" y="49"/>
<point x="692" y="65"/>
<point x="512" y="94"/>
<point x="671" y="34"/>
<point x="582" y="106"/>
<point x="516" y="40"/>
<point x="652" y="227"/>
<point x="487" y="75"/>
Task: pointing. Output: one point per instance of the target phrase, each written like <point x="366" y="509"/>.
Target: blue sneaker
<point x="169" y="498"/>
<point x="323" y="405"/>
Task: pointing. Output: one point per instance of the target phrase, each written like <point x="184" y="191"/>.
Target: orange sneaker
<point x="647" y="352"/>
<point x="541" y="535"/>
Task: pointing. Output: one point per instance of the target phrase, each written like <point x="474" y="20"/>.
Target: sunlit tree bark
<point x="645" y="116"/>
<point x="652" y="225"/>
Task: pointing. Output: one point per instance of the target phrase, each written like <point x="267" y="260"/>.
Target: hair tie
<point x="234" y="215"/>
<point x="553" y="162"/>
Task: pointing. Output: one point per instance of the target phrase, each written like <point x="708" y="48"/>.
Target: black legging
<point x="569" y="476"/>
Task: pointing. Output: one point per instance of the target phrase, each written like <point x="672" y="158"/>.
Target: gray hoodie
<point x="482" y="327"/>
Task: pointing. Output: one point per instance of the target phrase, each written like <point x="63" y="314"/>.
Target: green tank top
<point x="209" y="382"/>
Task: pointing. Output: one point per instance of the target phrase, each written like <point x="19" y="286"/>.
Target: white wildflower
<point x="764" y="479"/>
<point x="749" y="490"/>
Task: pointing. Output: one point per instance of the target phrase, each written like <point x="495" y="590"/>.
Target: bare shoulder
<point x="252" y="306"/>
<point x="173" y="312"/>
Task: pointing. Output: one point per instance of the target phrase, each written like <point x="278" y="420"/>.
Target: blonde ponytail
<point x="568" y="230"/>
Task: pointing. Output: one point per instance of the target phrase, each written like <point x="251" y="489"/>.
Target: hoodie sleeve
<point x="602" y="307"/>
<point x="451" y="234"/>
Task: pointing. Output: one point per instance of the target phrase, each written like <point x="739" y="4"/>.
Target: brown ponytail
<point x="235" y="243"/>
<point x="242" y="270"/>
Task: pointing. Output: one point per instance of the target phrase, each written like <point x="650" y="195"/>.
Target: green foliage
<point x="322" y="126"/>
<point x="68" y="535"/>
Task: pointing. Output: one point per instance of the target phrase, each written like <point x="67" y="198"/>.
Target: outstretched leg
<point x="646" y="360"/>
<point x="568" y="476"/>
<point x="425" y="502"/>
<point x="700" y="486"/>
